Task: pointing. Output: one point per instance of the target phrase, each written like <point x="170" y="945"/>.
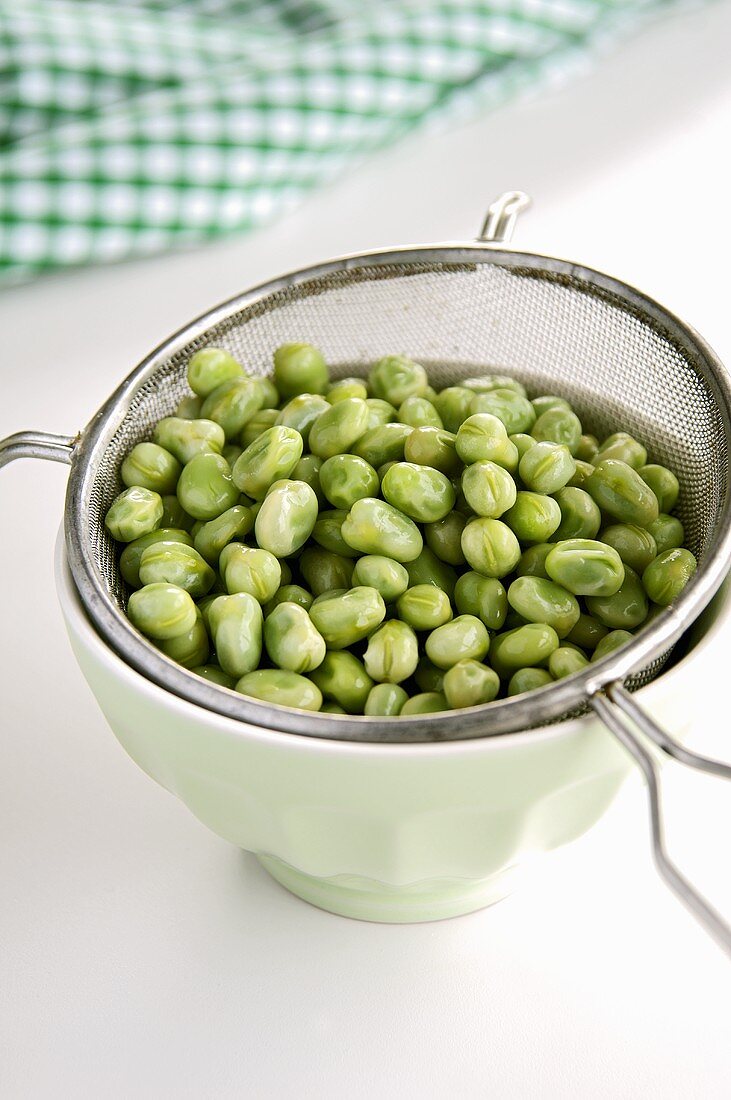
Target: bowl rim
<point x="76" y="620"/>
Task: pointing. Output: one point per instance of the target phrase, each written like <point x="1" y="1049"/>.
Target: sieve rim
<point x="502" y="717"/>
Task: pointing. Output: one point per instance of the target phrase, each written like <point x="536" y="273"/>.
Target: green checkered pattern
<point x="127" y="128"/>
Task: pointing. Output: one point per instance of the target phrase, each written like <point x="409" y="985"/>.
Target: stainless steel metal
<point x="499" y="224"/>
<point x="614" y="716"/>
<point x="56" y="448"/>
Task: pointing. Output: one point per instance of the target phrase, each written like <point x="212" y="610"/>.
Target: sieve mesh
<point x="619" y="358"/>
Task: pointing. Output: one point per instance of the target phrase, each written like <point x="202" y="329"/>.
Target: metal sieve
<point x="618" y="356"/>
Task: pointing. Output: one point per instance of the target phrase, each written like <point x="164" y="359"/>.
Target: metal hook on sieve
<point x="619" y="711"/>
<point x="499" y="224"/>
<point x="55" y="448"/>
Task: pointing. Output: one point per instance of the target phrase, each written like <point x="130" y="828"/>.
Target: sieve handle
<point x="56" y="448"/>
<point x="620" y="713"/>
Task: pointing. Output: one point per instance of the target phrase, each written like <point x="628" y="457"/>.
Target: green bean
<point x="585" y="567"/>
<point x="184" y="439"/>
<point x="266" y="418"/>
<point x="301" y="412"/>
<point x="206" y="487"/>
<point x="522" y="647"/>
<point x="515" y="410"/>
<point x="469" y="683"/>
<point x="387" y="576"/>
<point x="346" y="387"/>
<point x="546" y="467"/>
<point x="286" y="689"/>
<point x="209" y="368"/>
<point x="610" y="642"/>
<point x="271" y="457"/>
<point x="419" y="413"/>
<point x="189" y="649"/>
<point x="134" y="513"/>
<point x="344" y="620"/>
<point x="286" y="518"/>
<point x="396" y="377"/>
<point x="624" y="447"/>
<point x="454" y="406"/>
<point x="424" y="607"/>
<point x="385" y="700"/>
<point x="385" y="443"/>
<point x="528" y="679"/>
<point x="565" y="661"/>
<point x="635" y="545"/>
<point x="215" y="675"/>
<point x="465" y="637"/>
<point x="543" y="601"/>
<point x="621" y="493"/>
<point x="429" y="702"/>
<point x="488" y="489"/>
<point x="666" y="577"/>
<point x="299" y="368"/>
<point x="323" y="570"/>
<point x="375" y="527"/>
<point x="343" y="678"/>
<point x="174" y="515"/>
<point x="421" y="493"/>
<point x="232" y="404"/>
<point x="490" y="547"/>
<point x="668" y="533"/>
<point x="580" y="516"/>
<point x="346" y="478"/>
<point x="533" y="517"/>
<point x="129" y="561"/>
<point x="558" y="425"/>
<point x="292" y="639"/>
<point x="235" y="624"/>
<point x="337" y="429"/>
<point x="162" y="611"/>
<point x="178" y="564"/>
<point x="392" y="653"/>
<point x="663" y="483"/>
<point x="433" y="447"/>
<point x="484" y="597"/>
<point x="211" y="537"/>
<point x="151" y="467"/>
<point x="444" y="538"/>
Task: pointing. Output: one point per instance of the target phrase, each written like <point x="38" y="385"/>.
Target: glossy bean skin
<point x="337" y="429"/>
<point x="375" y="527"/>
<point x="464" y="638"/>
<point x="134" y="513"/>
<point x="189" y="407"/>
<point x="483" y="437"/>
<point x="385" y="700"/>
<point x="344" y="620"/>
<point x="470" y="683"/>
<point x="308" y="470"/>
<point x="444" y="538"/>
<point x="621" y="493"/>
<point x="232" y="404"/>
<point x="206" y="487"/>
<point x="582" y="472"/>
<point x="433" y="447"/>
<point x="292" y="640"/>
<point x="635" y="545"/>
<point x="392" y="653"/>
<point x="587" y="449"/>
<point x="486" y="383"/>
<point x="385" y="443"/>
<point x="250" y="569"/>
<point x="543" y="601"/>
<point x="178" y="564"/>
<point x="190" y="648"/>
<point x="276" y="685"/>
<point x="429" y="702"/>
<point x="396" y="377"/>
<point x="324" y="570"/>
<point x="565" y="661"/>
<point x="515" y="410"/>
<point x="547" y="467"/>
<point x="345" y="388"/>
<point x="328" y="533"/>
<point x="488" y="489"/>
<point x="668" y="533"/>
<point x="379" y="412"/>
<point x="611" y="641"/>
<point x="580" y="515"/>
<point x="235" y="623"/>
<point x="624" y="447"/>
<point x="666" y="577"/>
<point x="258" y="424"/>
<point x="286" y="518"/>
<point x="558" y="425"/>
<point x="533" y="560"/>
<point x="301" y="412"/>
<point x="548" y="401"/>
<point x="343" y="678"/>
<point x="528" y="679"/>
<point x="174" y="515"/>
<point x="300" y="368"/>
<point x="215" y="675"/>
<point x="387" y="576"/>
<point x="419" y="492"/>
<point x="484" y="597"/>
<point x="523" y="647"/>
<point x="625" y="609"/>
<point x="151" y="467"/>
<point x="290" y="593"/>
<point x="587" y="632"/>
<point x="454" y="405"/>
<point x="424" y="607"/>
<point x="419" y="413"/>
<point x="129" y="561"/>
<point x="428" y="569"/>
<point x="585" y="567"/>
<point x="490" y="547"/>
<point x="663" y="483"/>
<point x="522" y="444"/>
<point x="211" y="367"/>
<point x="184" y="439"/>
<point x="346" y="478"/>
<point x="271" y="457"/>
<point x="211" y="537"/>
<point x="533" y="517"/>
<point x="162" y="611"/>
<point x="428" y="676"/>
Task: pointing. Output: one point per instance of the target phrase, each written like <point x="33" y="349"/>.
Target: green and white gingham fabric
<point x="127" y="128"/>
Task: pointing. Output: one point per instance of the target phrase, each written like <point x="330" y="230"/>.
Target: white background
<point x="140" y="956"/>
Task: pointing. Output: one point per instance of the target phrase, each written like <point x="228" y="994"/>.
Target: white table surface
<point x="140" y="956"/>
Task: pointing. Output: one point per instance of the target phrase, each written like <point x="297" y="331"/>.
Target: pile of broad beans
<point x="370" y="546"/>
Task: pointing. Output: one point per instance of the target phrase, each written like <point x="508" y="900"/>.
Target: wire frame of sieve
<point x="460" y="309"/>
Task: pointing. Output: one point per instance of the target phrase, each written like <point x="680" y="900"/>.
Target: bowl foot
<point x="367" y="899"/>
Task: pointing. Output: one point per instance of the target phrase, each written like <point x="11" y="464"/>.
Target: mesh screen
<point x="620" y="367"/>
